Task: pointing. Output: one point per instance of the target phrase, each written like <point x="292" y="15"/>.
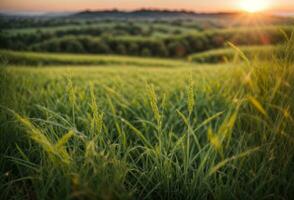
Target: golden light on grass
<point x="253" y="6"/>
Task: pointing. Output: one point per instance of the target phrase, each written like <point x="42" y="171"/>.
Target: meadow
<point x="76" y="126"/>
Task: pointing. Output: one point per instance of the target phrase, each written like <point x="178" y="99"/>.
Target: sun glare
<point x="253" y="6"/>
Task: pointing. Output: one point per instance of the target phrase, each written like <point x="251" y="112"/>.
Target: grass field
<point x="175" y="132"/>
<point x="213" y="56"/>
<point x="259" y="52"/>
<point x="40" y="59"/>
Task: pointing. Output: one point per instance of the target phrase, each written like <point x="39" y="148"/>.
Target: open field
<point x="39" y="59"/>
<point x="222" y="55"/>
<point x="216" y="132"/>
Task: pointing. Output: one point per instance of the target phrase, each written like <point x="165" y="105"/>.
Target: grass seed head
<point x="191" y="101"/>
<point x="153" y="102"/>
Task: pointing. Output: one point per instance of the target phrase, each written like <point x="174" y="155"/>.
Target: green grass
<point x="219" y="132"/>
<point x="229" y="54"/>
<point x="40" y="59"/>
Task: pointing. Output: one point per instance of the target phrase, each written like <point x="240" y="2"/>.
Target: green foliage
<point x="135" y="42"/>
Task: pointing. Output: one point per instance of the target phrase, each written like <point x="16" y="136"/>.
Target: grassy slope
<point x="31" y="58"/>
<point x="227" y="54"/>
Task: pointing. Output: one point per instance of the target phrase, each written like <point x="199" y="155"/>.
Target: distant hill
<point x="35" y="14"/>
<point x="147" y="13"/>
<point x="151" y="14"/>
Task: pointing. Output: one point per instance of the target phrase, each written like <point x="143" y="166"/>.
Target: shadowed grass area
<point x="41" y="59"/>
<point x="149" y="133"/>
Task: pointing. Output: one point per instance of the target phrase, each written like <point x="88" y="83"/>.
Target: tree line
<point x="171" y="46"/>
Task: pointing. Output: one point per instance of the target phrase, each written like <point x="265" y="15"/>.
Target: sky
<point x="193" y="5"/>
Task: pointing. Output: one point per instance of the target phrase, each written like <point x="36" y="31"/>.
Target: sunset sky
<point x="194" y="5"/>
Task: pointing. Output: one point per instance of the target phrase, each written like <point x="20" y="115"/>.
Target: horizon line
<point x="281" y="12"/>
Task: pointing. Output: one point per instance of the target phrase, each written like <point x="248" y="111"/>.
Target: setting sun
<point x="253" y="5"/>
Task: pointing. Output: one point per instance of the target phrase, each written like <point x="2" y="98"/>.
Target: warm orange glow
<point x="276" y="6"/>
<point x="254" y="5"/>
